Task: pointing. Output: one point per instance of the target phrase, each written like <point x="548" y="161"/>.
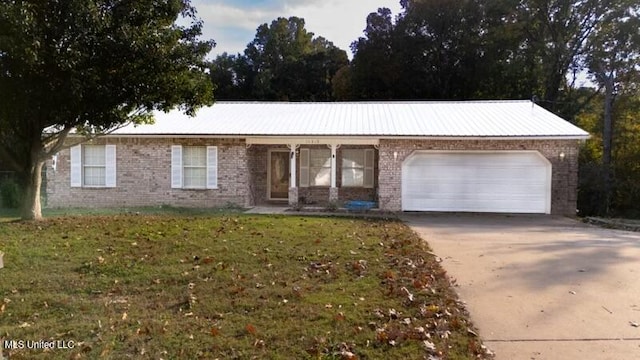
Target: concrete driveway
<point x="542" y="287"/>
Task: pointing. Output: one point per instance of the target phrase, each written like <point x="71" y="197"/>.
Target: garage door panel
<point x="477" y="182"/>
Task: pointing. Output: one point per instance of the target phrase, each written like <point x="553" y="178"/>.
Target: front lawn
<point x="226" y="286"/>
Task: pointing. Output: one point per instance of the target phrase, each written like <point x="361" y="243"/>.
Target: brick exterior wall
<point x="258" y="155"/>
<point x="143" y="170"/>
<point x="144" y="174"/>
<point x="564" y="177"/>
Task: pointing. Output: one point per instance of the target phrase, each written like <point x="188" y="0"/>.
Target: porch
<point x="312" y="172"/>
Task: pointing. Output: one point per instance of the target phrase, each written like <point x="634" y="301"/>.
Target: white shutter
<point x="110" y="165"/>
<point x="212" y="167"/>
<point x="304" y="167"/>
<point x="176" y="166"/>
<point x="76" y="166"/>
<point x="369" y="160"/>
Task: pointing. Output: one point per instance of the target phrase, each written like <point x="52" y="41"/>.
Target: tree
<point x="435" y="49"/>
<point x="475" y="49"/>
<point x="91" y="66"/>
<point x="374" y="69"/>
<point x="553" y="43"/>
<point x="231" y="76"/>
<point x="614" y="63"/>
<point x="283" y="62"/>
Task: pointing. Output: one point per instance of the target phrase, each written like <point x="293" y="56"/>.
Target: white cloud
<point x="231" y="27"/>
<point x="233" y="24"/>
<point x="340" y="21"/>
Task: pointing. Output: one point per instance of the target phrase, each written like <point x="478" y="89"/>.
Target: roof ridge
<point x="385" y="102"/>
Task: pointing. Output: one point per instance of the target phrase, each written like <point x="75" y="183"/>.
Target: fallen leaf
<point x="124" y="316"/>
<point x="393" y="313"/>
<point x="348" y="355"/>
<point x="634" y="324"/>
<point x="409" y="294"/>
<point x="250" y="329"/>
<point x="258" y="343"/>
<point x="429" y="345"/>
<point x="215" y="331"/>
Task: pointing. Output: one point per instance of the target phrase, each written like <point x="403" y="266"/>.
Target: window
<point x="93" y="166"/>
<point x="315" y="167"/>
<point x="194" y="167"/>
<point x="357" y="168"/>
<point x="194" y="163"/>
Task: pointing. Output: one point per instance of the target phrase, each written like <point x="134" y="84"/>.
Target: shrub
<point x="10" y="194"/>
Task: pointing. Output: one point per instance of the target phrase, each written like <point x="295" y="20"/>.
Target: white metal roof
<point x="510" y="119"/>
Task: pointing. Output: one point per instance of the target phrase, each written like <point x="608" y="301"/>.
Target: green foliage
<point x="625" y="200"/>
<point x="92" y="66"/>
<point x="435" y="49"/>
<point x="458" y="50"/>
<point x="10" y="194"/>
<point x="283" y="62"/>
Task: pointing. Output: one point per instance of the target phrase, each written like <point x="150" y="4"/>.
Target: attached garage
<point x="478" y="181"/>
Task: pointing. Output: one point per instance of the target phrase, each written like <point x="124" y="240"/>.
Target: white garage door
<point x="507" y="181"/>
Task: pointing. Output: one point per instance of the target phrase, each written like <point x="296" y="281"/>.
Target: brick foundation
<point x="293" y="196"/>
<point x="333" y="194"/>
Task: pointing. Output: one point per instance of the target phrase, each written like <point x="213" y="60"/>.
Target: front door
<point x="278" y="174"/>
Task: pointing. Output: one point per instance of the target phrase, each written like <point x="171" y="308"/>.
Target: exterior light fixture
<point x="562" y="156"/>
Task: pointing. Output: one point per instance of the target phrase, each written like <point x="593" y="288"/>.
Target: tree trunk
<point x="607" y="140"/>
<point x="31" y="206"/>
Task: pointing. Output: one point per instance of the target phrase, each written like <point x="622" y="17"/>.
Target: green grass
<point x="7" y="214"/>
<point x="227" y="286"/>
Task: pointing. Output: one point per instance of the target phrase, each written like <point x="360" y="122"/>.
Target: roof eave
<point x="385" y="137"/>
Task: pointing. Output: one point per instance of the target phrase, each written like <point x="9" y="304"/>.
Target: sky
<point x="233" y="23"/>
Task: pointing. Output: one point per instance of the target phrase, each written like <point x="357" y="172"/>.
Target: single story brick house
<point x="471" y="156"/>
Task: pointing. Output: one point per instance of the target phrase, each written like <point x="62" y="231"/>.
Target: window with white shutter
<point x="93" y="166"/>
<point x="194" y="167"/>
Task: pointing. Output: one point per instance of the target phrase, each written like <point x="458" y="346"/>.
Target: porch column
<point x="333" y="191"/>
<point x="293" y="189"/>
